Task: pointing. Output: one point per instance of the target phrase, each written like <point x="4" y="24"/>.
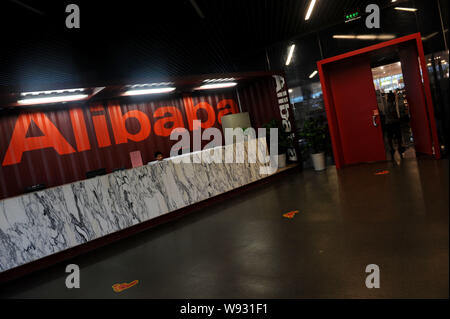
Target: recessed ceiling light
<point x="310" y="9"/>
<point x="405" y="9"/>
<point x="313" y="74"/>
<point x="344" y="36"/>
<point x="148" y="91"/>
<point x="48" y="92"/>
<point x="52" y="99"/>
<point x="52" y="96"/>
<point x="150" y="85"/>
<point x="219" y="80"/>
<point x="217" y="85"/>
<point x="364" y="36"/>
<point x="291" y="51"/>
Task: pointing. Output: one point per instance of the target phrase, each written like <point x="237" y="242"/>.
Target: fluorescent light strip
<point x="53" y="99"/>
<point x="428" y="37"/>
<point x="291" y="51"/>
<point x="340" y="36"/>
<point x="365" y="36"/>
<point x="219" y="80"/>
<point x="310" y="9"/>
<point x="150" y="85"/>
<point x="386" y="36"/>
<point x="148" y="91"/>
<point x="406" y="9"/>
<point x="313" y="74"/>
<point x="51" y="92"/>
<point x="217" y="85"/>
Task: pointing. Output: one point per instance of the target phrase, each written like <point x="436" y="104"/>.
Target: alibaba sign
<point x="165" y="119"/>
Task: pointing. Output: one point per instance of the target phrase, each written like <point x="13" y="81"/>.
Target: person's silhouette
<point x="159" y="156"/>
<point x="392" y="125"/>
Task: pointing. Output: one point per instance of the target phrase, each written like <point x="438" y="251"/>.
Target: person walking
<point x="393" y="125"/>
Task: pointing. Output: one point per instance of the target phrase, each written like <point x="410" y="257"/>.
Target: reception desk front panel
<point x="43" y="223"/>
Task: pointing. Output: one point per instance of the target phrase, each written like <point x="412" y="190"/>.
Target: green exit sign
<point x="352" y="16"/>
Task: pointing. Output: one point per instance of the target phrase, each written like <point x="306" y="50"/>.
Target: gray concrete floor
<point x="244" y="248"/>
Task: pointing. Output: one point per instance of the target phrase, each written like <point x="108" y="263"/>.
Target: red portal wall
<point x="410" y="49"/>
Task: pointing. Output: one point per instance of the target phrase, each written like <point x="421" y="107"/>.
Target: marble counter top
<point x="39" y="224"/>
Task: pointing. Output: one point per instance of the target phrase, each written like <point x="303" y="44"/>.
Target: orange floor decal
<point x="124" y="286"/>
<point x="290" y="214"/>
<point x="381" y="172"/>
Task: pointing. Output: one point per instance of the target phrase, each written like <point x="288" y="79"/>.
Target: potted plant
<point x="284" y="142"/>
<point x="315" y="133"/>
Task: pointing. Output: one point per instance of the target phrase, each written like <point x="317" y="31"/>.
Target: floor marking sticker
<point x="124" y="286"/>
<point x="380" y="172"/>
<point x="290" y="214"/>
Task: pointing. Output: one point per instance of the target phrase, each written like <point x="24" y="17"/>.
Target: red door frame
<point x="328" y="99"/>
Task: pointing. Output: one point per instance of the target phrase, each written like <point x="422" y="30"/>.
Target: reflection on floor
<point x="410" y="153"/>
<point x="407" y="143"/>
<point x="245" y="248"/>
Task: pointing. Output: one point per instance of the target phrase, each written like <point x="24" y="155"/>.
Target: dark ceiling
<point x="148" y="40"/>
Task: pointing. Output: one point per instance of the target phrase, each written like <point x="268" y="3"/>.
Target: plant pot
<point x="318" y="161"/>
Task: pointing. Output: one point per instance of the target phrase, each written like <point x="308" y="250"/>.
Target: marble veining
<point x="42" y="223"/>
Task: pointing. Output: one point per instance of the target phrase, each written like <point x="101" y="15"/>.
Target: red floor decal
<point x="382" y="172"/>
<point x="290" y="214"/>
<point x="124" y="286"/>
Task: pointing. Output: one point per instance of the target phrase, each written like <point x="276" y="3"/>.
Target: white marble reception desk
<point x="39" y="224"/>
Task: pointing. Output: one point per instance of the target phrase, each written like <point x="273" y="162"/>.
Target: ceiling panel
<point x="152" y="40"/>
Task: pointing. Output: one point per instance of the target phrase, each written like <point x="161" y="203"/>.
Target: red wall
<point x="61" y="144"/>
<point x="64" y="142"/>
<point x="260" y="100"/>
<point x="268" y="99"/>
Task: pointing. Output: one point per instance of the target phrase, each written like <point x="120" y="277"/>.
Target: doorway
<point x="352" y="107"/>
<point x="394" y="111"/>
